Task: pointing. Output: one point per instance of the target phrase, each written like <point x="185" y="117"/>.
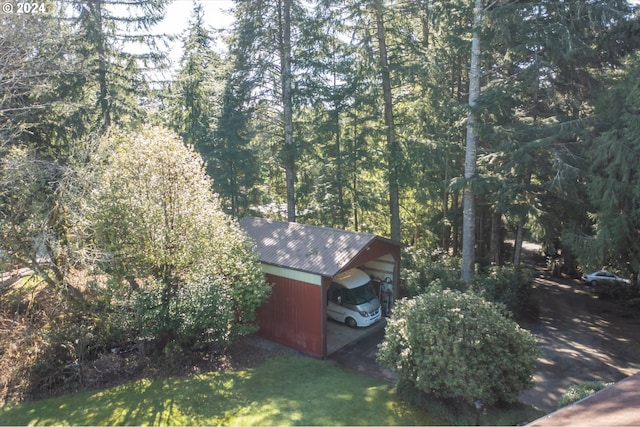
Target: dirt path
<point x="581" y="337"/>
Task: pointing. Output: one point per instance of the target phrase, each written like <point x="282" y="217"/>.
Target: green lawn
<point x="288" y="390"/>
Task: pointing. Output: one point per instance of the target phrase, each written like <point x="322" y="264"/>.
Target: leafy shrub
<point x="459" y="346"/>
<point x="423" y="272"/>
<point x="508" y="285"/>
<point x="208" y="310"/>
<point x="578" y="392"/>
<point x="157" y="222"/>
<point x="70" y="343"/>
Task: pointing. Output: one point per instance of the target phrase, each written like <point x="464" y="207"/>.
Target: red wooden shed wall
<point x="293" y="315"/>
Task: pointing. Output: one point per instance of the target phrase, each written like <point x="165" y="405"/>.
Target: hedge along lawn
<point x="287" y="390"/>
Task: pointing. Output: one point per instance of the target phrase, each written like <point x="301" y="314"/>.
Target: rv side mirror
<point x="339" y="300"/>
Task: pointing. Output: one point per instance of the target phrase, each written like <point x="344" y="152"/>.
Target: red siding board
<point x="293" y="315"/>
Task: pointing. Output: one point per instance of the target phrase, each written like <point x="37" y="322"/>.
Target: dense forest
<point x="416" y="120"/>
<point x="429" y="121"/>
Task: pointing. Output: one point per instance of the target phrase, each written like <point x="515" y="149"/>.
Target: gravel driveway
<point x="581" y="337"/>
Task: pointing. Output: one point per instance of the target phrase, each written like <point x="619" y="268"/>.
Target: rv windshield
<point x="363" y="293"/>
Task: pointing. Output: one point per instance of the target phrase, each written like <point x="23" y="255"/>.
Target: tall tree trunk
<point x="354" y="175"/>
<point x="392" y="144"/>
<point x="289" y="148"/>
<point x="340" y="175"/>
<point x="496" y="238"/>
<point x="342" y="217"/>
<point x="517" y="254"/>
<point x="455" y="232"/>
<point x="468" y="219"/>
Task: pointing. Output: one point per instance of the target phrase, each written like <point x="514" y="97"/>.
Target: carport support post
<point x="396" y="277"/>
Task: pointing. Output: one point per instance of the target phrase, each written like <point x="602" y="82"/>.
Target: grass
<point x="286" y="390"/>
<point x="458" y="414"/>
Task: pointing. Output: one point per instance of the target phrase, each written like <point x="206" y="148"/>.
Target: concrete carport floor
<point x="356" y="348"/>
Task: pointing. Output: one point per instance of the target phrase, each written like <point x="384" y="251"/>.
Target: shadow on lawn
<point x="171" y="401"/>
<point x="283" y="391"/>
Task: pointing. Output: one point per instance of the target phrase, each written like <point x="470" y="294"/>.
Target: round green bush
<point x="456" y="345"/>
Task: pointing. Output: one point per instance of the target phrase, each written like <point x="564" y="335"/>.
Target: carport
<point x="300" y="261"/>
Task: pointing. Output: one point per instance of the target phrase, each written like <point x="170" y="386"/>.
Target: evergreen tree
<point x="336" y="123"/>
<point x="361" y="125"/>
<point x="286" y="76"/>
<point x="107" y="31"/>
<point x="613" y="183"/>
<point x="393" y="151"/>
<point x="194" y="95"/>
<point x="548" y="62"/>
<point x="35" y="78"/>
<point x="322" y="94"/>
<point x="430" y="58"/>
<point x="234" y="165"/>
<point x="37" y="101"/>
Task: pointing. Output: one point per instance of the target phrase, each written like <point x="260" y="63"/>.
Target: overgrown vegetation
<point x="150" y="264"/>
<point x="426" y="273"/>
<point x="506" y="285"/>
<point x="578" y="392"/>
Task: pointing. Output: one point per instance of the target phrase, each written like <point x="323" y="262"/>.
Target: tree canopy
<point x="356" y="115"/>
<point x="157" y="221"/>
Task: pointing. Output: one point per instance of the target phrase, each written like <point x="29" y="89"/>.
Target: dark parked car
<point x="604" y="278"/>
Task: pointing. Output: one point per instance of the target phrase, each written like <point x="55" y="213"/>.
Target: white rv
<point x="352" y="300"/>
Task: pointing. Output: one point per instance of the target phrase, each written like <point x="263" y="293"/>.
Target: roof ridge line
<point x="302" y="224"/>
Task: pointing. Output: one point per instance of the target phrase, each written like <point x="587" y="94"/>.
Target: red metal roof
<point x="308" y="248"/>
